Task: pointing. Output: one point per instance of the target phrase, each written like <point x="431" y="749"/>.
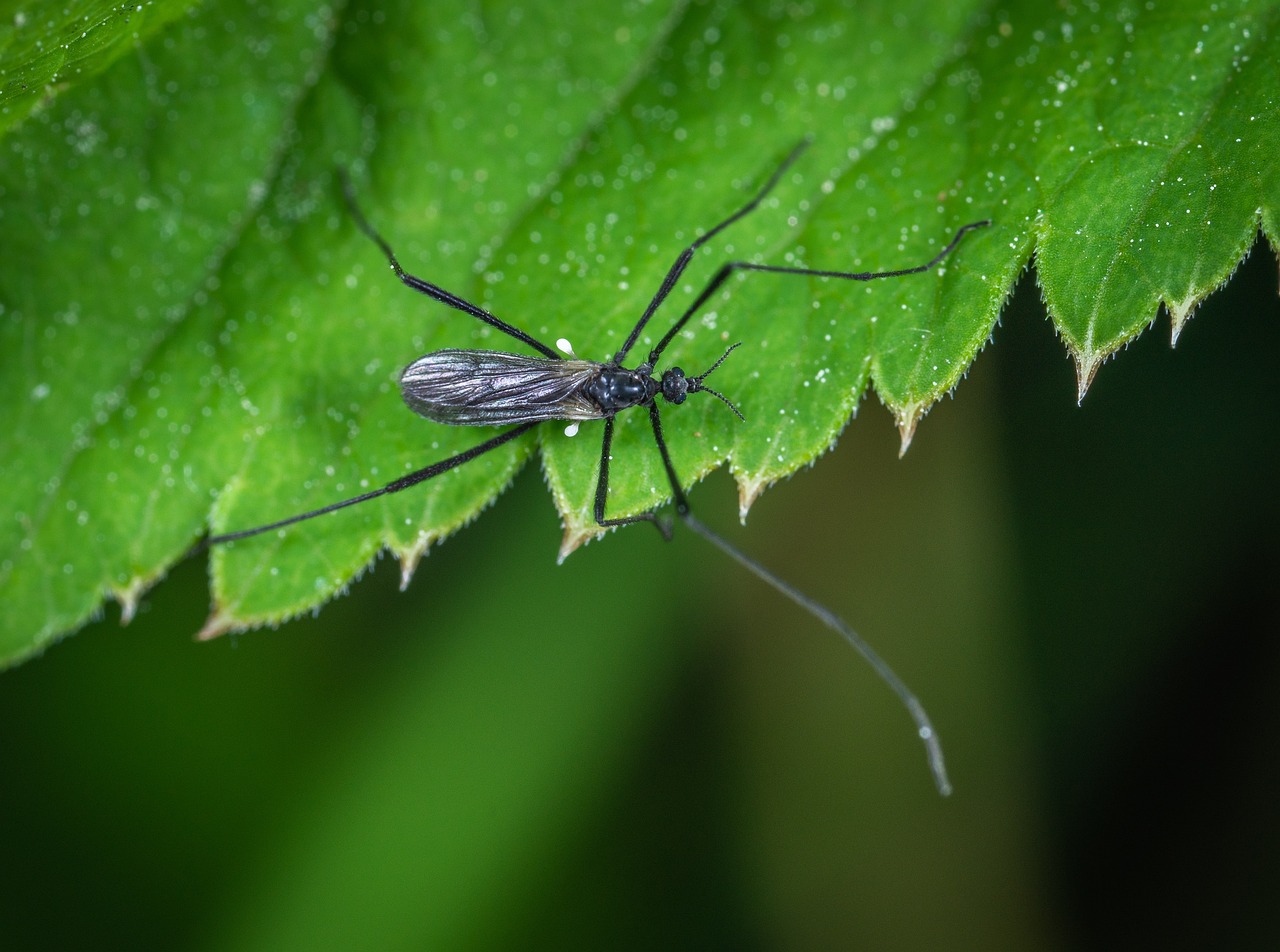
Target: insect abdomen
<point x="490" y="388"/>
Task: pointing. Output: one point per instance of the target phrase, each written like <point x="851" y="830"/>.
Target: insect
<point x="491" y="388"/>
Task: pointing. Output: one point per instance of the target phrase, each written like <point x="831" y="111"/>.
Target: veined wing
<point x="490" y="388"/>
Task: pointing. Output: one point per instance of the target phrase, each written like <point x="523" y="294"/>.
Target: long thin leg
<point x="924" y="727"/>
<point x="434" y="290"/>
<point x="727" y="269"/>
<point x="602" y="491"/>
<point x="682" y="262"/>
<point x="404" y="482"/>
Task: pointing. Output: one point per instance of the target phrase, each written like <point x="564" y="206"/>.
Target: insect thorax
<point x="616" y="389"/>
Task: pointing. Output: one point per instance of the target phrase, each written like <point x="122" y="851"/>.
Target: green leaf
<point x="48" y="47"/>
<point x="196" y="335"/>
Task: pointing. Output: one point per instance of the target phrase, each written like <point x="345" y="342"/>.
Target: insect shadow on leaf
<point x="489" y="388"/>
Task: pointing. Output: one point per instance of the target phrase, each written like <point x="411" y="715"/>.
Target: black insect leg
<point x="682" y="262"/>
<point x="602" y="489"/>
<point x="395" y="486"/>
<point x="924" y="727"/>
<point x="434" y="290"/>
<point x="728" y="269"/>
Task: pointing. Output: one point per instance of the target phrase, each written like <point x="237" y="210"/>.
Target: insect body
<point x="491" y="388"/>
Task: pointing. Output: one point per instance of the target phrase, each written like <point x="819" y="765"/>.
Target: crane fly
<point x="461" y="387"/>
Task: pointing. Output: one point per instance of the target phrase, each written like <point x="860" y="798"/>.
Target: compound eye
<point x="675" y="386"/>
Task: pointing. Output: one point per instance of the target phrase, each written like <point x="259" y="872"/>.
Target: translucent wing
<point x="490" y="388"/>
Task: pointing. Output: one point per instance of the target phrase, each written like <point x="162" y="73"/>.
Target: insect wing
<point x="490" y="388"/>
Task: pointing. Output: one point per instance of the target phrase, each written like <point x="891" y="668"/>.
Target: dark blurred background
<point x="644" y="746"/>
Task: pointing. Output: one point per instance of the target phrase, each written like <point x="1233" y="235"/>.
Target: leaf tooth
<point x="217" y="624"/>
<point x="908" y="418"/>
<point x="129" y="594"/>
<point x="409" y="558"/>
<point x="749" y="490"/>
<point x="1179" y="313"/>
<point x="575" y="536"/>
<point x="1087" y="364"/>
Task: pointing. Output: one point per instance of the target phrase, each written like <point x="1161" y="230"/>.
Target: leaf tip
<point x="908" y="419"/>
<point x="1179" y="314"/>
<point x="749" y="490"/>
<point x="1087" y="364"/>
<point x="215" y="626"/>
<point x="128" y="597"/>
<point x="575" y="536"/>
<point x="409" y="559"/>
